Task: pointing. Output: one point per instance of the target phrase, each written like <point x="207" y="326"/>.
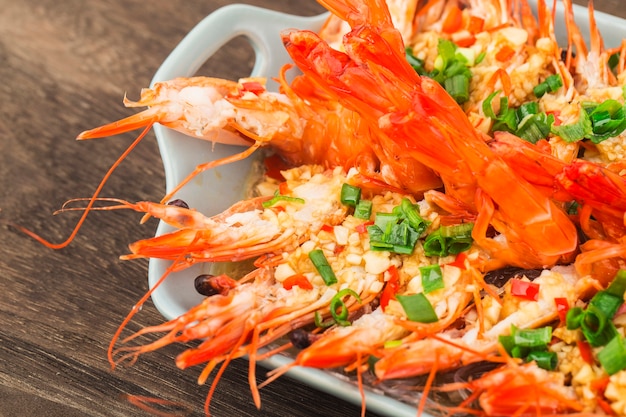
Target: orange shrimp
<point x="599" y="191"/>
<point x="477" y="338"/>
<point x="418" y="116"/>
<point x="310" y="200"/>
<point x="519" y="390"/>
<point x="301" y="124"/>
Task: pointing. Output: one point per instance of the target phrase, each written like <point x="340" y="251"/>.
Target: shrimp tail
<point x="145" y="119"/>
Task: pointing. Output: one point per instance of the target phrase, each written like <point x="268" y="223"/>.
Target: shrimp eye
<point x="206" y="285"/>
<point x="300" y="339"/>
<point x="178" y="203"/>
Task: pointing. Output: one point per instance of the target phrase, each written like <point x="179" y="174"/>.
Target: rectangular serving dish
<point x="181" y="154"/>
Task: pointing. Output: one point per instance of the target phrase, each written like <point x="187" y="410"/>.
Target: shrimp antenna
<point x="92" y="200"/>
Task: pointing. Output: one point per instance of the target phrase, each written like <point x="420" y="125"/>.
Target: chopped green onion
<point x="572" y="207"/>
<point x="549" y="85"/>
<point x="350" y="195"/>
<point x="323" y="267"/>
<point x="418" y="308"/>
<point x="546" y="360"/>
<point x="596" y="320"/>
<point x="450" y="68"/>
<point x="596" y="122"/>
<point x="319" y="322"/>
<point x="606" y="302"/>
<point x="597" y="328"/>
<point x="613" y="356"/>
<point x="530" y="344"/>
<point x="481" y="56"/>
<point x="618" y="285"/>
<point x="457" y="230"/>
<point x="526" y="109"/>
<point x="412" y="214"/>
<point x="533" y="338"/>
<point x="432" y="278"/>
<point x="614" y="61"/>
<point x="377" y="239"/>
<point x="449" y="240"/>
<point x="416" y="63"/>
<point x="575" y="131"/>
<point x="278" y="197"/>
<point x="526" y="121"/>
<point x="519" y="351"/>
<point x="390" y="344"/>
<point x="458" y="87"/>
<point x="608" y="119"/>
<point x="535" y="127"/>
<point x="338" y="308"/>
<point x="363" y="209"/>
<point x="435" y="244"/>
<point x="505" y="120"/>
<point x="574" y="318"/>
<point x="399" y="230"/>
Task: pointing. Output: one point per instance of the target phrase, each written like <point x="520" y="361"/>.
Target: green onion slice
<point x="278" y="197"/>
<point x="319" y="322"/>
<point x="363" y="209"/>
<point x="323" y="267"/>
<point x="350" y="195"/>
<point x="432" y="278"/>
<point x="533" y="338"/>
<point x="418" y="308"/>
<point x="399" y="230"/>
<point x="549" y="85"/>
<point x="613" y="356"/>
<point x="338" y="308"/>
<point x="546" y="360"/>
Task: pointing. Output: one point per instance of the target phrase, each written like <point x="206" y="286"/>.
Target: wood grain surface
<point x="64" y="68"/>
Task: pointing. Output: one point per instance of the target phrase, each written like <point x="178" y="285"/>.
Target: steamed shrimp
<point x="366" y="118"/>
<point x="287" y="290"/>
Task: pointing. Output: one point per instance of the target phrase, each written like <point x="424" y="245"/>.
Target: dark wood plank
<point x="65" y="67"/>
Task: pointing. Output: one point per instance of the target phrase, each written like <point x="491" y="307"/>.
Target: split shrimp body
<point x="477" y="340"/>
<point x="308" y="200"/>
<point x="595" y="83"/>
<point x="417" y="115"/>
<point x="300" y="124"/>
<point x="370" y="332"/>
<point x="206" y="108"/>
<point x="521" y="390"/>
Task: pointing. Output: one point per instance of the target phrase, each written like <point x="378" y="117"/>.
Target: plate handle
<point x="261" y="27"/>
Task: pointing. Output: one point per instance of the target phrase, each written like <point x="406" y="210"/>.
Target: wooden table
<point x="64" y="67"/>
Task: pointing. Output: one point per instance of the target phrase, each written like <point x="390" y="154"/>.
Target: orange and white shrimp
<point x="520" y="390"/>
<point x="477" y="339"/>
<point x="599" y="191"/>
<point x="301" y="124"/>
<point x="417" y="115"/>
<point x="403" y="13"/>
<point x="350" y="346"/>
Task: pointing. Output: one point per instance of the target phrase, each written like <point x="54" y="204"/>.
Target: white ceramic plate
<point x="182" y="154"/>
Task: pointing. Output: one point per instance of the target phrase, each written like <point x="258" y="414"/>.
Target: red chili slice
<point x="362" y="228"/>
<point x="585" y="351"/>
<point x="391" y="287"/>
<point x="299" y="280"/>
<point x="562" y="306"/>
<point x="459" y="261"/>
<point x="525" y="289"/>
<point x="253" y="87"/>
